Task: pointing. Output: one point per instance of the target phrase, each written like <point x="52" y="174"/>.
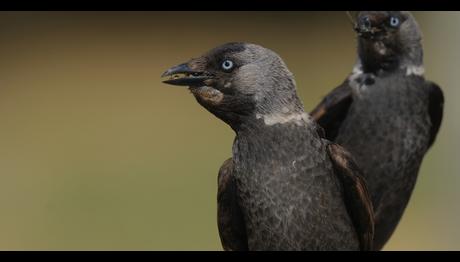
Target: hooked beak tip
<point x="182" y="68"/>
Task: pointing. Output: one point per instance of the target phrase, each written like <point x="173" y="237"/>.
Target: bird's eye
<point x="227" y="65"/>
<point x="394" y="21"/>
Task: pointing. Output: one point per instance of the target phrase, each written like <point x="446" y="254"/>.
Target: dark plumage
<point x="385" y="113"/>
<point x="285" y="188"/>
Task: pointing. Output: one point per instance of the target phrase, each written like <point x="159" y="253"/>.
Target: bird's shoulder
<point x="356" y="196"/>
<point x="224" y="176"/>
<point x="435" y="108"/>
<point x="232" y="229"/>
<point x="333" y="109"/>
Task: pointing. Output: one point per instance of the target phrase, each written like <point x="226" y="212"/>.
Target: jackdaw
<point x="385" y="113"/>
<point x="285" y="188"/>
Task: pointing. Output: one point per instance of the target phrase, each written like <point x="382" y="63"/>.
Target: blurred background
<point x="97" y="154"/>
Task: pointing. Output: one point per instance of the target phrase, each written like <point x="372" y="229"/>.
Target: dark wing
<point x="357" y="198"/>
<point x="435" y="109"/>
<point x="232" y="229"/>
<point x="333" y="109"/>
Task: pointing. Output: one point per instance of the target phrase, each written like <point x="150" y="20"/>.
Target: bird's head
<point x="239" y="82"/>
<point x="388" y="39"/>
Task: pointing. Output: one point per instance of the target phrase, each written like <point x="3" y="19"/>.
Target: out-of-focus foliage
<point x="97" y="153"/>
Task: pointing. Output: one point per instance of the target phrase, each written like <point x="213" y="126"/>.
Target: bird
<point x="285" y="186"/>
<point x="385" y="113"/>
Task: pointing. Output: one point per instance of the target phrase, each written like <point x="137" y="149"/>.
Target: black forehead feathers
<point x="387" y="14"/>
<point x="398" y="14"/>
<point x="223" y="50"/>
<point x="220" y="53"/>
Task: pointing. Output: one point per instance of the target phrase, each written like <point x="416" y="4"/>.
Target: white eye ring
<point x="394" y="21"/>
<point x="227" y="65"/>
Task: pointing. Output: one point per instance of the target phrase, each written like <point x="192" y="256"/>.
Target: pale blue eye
<point x="227" y="65"/>
<point x="394" y="21"/>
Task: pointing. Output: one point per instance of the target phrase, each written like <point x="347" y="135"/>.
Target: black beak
<point x="364" y="24"/>
<point x="183" y="75"/>
<point x="368" y="26"/>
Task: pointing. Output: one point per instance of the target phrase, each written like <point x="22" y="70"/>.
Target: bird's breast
<point x="290" y="197"/>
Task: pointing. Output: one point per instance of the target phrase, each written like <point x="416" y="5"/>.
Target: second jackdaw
<point x="385" y="113"/>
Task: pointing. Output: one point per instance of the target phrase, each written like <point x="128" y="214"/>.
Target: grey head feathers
<point x="388" y="40"/>
<point x="240" y="83"/>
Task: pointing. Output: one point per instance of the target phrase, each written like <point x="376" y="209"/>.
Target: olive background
<point x="97" y="154"/>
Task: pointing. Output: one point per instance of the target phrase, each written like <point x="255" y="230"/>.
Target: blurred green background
<point x="97" y="154"/>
